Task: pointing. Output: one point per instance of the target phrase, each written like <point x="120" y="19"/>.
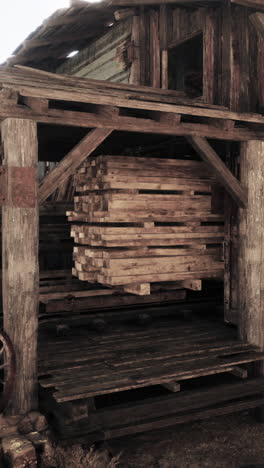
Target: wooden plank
<point x="134" y="77"/>
<point x="59" y="87"/>
<point x="57" y="78"/>
<point x="194" y="285"/>
<point x="190" y="3"/>
<point x="20" y="219"/>
<point x="209" y="45"/>
<point x="186" y="401"/>
<point x="258" y="20"/>
<point x="71" y="162"/>
<point x="132" y="124"/>
<point x="256" y="4"/>
<point x="174" y="387"/>
<point x="138" y="289"/>
<point x="118" y="280"/>
<point x="155" y="49"/>
<point x="103" y="381"/>
<point x="101" y="98"/>
<point x="240" y="373"/>
<point x="180" y="419"/>
<point x="222" y="173"/>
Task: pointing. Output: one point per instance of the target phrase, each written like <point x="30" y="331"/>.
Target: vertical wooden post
<point x="163" y="32"/>
<point x="20" y="256"/>
<point x="135" y="73"/>
<point x="251" y="245"/>
<point x="154" y="49"/>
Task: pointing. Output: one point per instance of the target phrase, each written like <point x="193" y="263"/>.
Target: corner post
<point x="20" y="237"/>
<point x="251" y="245"/>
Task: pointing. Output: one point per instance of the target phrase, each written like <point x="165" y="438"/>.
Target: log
<point x="20" y="256"/>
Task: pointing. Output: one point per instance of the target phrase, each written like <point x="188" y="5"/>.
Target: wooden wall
<point x="136" y="49"/>
<point x="247" y="63"/>
<point x="106" y="58"/>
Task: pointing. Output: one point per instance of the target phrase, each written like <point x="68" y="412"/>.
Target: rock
<point x="40" y="423"/>
<point x="33" y="421"/>
<point x="38" y="440"/>
<point x="26" y="425"/>
<point x="47" y="452"/>
<point x="19" y="452"/>
<point x="8" y="426"/>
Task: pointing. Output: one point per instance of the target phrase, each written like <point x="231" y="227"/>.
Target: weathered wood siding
<point x="104" y="59"/>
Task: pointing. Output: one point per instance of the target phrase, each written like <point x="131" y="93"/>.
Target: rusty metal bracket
<point x="18" y="187"/>
<point x="3" y="185"/>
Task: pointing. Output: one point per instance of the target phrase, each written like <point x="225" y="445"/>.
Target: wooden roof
<point x="75" y="27"/>
<point x="66" y="30"/>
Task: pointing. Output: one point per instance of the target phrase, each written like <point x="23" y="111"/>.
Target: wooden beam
<point x="59" y="39"/>
<point x="251" y="239"/>
<point x="257" y="19"/>
<point x="123" y="13"/>
<point x="173" y="387"/>
<point x="138" y="289"/>
<point x="71" y="162"/>
<point x="20" y="256"/>
<point x="129" y="124"/>
<point x="251" y="258"/>
<point x="155" y="49"/>
<point x="102" y="98"/>
<point x="183" y="3"/>
<point x="220" y="170"/>
<point x="256" y="4"/>
<point x="239" y="372"/>
<point x="194" y="285"/>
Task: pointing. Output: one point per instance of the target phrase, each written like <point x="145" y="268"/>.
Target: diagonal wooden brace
<point x="220" y="170"/>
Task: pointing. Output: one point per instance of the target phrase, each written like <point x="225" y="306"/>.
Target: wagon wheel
<point x="7" y="370"/>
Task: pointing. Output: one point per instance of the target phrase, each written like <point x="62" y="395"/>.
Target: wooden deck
<point x="87" y="363"/>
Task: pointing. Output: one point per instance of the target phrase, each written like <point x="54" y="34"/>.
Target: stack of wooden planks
<point x="143" y="220"/>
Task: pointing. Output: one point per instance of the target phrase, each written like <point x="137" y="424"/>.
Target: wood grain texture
<point x="220" y="170"/>
<point x="256" y="4"/>
<point x="258" y="20"/>
<point x="158" y="2"/>
<point x="71" y="162"/>
<point x="20" y="265"/>
<point x="134" y="77"/>
<point x="251" y="238"/>
<point x="124" y="358"/>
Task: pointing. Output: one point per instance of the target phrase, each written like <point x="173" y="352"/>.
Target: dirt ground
<point x="235" y="441"/>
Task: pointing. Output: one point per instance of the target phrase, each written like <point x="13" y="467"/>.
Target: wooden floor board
<point x="87" y="364"/>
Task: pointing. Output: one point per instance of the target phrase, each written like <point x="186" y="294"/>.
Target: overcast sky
<point x="18" y="18"/>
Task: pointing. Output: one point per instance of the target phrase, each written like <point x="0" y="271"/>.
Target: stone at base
<point x="33" y="421"/>
<point x="19" y="452"/>
<point x="8" y="426"/>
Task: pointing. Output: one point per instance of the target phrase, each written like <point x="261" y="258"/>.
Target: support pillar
<point x="251" y="245"/>
<point x="20" y="237"/>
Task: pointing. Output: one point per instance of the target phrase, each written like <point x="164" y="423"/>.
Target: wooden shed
<point x="135" y="126"/>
